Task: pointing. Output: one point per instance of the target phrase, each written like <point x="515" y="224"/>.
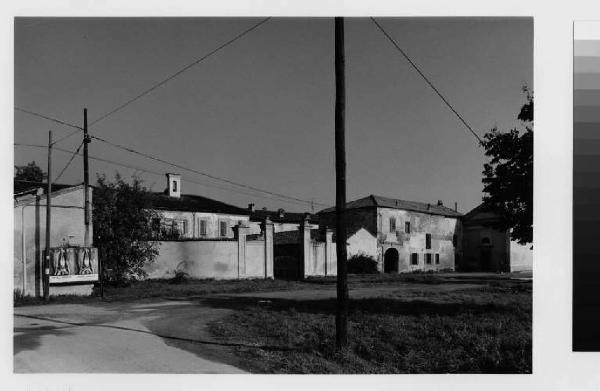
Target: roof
<point x="484" y="211"/>
<point x="288" y="217"/>
<point x="384" y="202"/>
<point x="21" y="186"/>
<point x="194" y="203"/>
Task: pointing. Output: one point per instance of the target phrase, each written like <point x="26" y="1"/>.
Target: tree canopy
<point x="122" y="228"/>
<point x="508" y="175"/>
<point x="30" y="172"/>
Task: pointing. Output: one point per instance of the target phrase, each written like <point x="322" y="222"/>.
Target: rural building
<point x="401" y="235"/>
<point x="73" y="267"/>
<point x="487" y="248"/>
<point x="189" y="216"/>
<point x="206" y="238"/>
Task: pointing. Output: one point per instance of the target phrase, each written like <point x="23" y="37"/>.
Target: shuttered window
<point x="392" y="224"/>
<point x="223" y="228"/>
<point x="414" y="259"/>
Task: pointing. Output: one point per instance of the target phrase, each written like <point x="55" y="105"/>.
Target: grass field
<point x="186" y="287"/>
<point x="472" y="330"/>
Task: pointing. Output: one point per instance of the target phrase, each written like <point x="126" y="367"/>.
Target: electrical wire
<point x="131" y="150"/>
<point x="69" y="162"/>
<point x="272" y="197"/>
<point x="179" y="72"/>
<point x="427" y="80"/>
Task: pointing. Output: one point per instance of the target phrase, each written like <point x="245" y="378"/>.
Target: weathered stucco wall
<point x="315" y="264"/>
<point x="521" y="257"/>
<point x="198" y="258"/>
<point x="255" y="259"/>
<point x="67" y="228"/>
<point x="443" y="231"/>
<point x="369" y="233"/>
<point x="217" y="258"/>
<point x="212" y="227"/>
<point x="362" y="242"/>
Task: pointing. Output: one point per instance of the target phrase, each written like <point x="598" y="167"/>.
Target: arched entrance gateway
<point x="390" y="260"/>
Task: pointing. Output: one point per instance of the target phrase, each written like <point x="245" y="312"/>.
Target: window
<point x="407" y="227"/>
<point x="203" y="224"/>
<point x="414" y="259"/>
<point x="427" y="241"/>
<point x="174" y="185"/>
<point x="428" y="259"/>
<point x="437" y="259"/>
<point x="223" y="228"/>
<point x="392" y="224"/>
<point x="179" y="228"/>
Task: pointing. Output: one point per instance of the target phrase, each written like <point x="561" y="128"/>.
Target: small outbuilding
<point x="488" y="248"/>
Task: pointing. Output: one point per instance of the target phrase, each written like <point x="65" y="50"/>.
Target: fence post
<point x="240" y="231"/>
<point x="328" y="250"/>
<point x="269" y="254"/>
<point x="304" y="236"/>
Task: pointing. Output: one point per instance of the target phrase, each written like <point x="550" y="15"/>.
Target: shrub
<point x="179" y="277"/>
<point x="362" y="264"/>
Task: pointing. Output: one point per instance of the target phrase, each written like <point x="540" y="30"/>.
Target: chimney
<point x="174" y="185"/>
<point x="440" y="203"/>
<point x="456" y="206"/>
<point x="251" y="207"/>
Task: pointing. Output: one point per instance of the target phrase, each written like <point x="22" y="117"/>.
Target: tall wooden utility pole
<point x="86" y="180"/>
<point x="46" y="276"/>
<point x="341" y="316"/>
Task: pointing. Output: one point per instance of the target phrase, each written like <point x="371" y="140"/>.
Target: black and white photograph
<point x="273" y="195"/>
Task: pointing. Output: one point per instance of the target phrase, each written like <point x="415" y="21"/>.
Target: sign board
<point x="73" y="264"/>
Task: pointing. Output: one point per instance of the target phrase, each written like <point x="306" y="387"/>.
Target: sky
<point x="261" y="111"/>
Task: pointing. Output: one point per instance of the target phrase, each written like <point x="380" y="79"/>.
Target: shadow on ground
<point x="369" y="305"/>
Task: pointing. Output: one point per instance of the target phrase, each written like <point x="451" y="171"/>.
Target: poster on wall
<point x="73" y="264"/>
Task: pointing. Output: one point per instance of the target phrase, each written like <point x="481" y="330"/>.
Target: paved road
<point x="142" y="337"/>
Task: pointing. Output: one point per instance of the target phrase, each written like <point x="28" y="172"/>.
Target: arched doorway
<point x="390" y="261"/>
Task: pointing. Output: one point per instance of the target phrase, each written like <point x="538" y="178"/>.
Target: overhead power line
<point x="270" y="197"/>
<point x="69" y="162"/>
<point x="427" y="80"/>
<point x="179" y="72"/>
<point x="242" y="185"/>
<point x="33" y="113"/>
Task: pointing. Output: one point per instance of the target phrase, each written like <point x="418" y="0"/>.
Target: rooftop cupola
<point x="174" y="185"/>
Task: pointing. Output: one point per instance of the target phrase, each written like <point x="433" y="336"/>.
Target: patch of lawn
<point x="467" y="331"/>
<point x="167" y="289"/>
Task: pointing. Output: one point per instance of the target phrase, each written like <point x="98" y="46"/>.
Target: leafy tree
<point x="122" y="228"/>
<point x="31" y="172"/>
<point x="508" y="176"/>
